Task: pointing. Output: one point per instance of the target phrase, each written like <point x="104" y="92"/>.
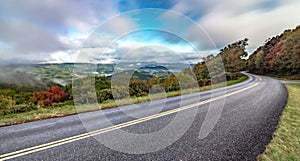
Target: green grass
<point x="285" y="144"/>
<point x="293" y="77"/>
<point x="51" y="112"/>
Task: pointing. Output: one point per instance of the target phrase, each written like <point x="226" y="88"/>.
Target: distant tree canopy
<point x="232" y="62"/>
<point x="279" y="56"/>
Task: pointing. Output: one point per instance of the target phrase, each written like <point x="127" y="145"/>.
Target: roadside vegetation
<point x="20" y="104"/>
<point x="285" y="144"/>
<point x="278" y="57"/>
<point x="67" y="107"/>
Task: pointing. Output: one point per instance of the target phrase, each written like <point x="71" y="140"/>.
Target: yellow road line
<point x="107" y="129"/>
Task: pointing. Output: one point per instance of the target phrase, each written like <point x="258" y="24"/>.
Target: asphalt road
<point x="291" y="81"/>
<point x="201" y="126"/>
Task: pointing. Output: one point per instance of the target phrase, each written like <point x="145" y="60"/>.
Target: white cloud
<point x="62" y="57"/>
<point x="103" y="55"/>
<point x="35" y="30"/>
<point x="230" y="20"/>
<point x="194" y="7"/>
<point x="120" y="25"/>
<point x="257" y="25"/>
<point x="186" y="29"/>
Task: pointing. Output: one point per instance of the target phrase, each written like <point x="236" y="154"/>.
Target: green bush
<point x="103" y="95"/>
<point x="171" y="84"/>
<point x="21" y="108"/>
<point x="138" y="88"/>
<point x="219" y="78"/>
<point x="5" y="104"/>
<point x="233" y="76"/>
<point x="120" y="92"/>
<point x="8" y="105"/>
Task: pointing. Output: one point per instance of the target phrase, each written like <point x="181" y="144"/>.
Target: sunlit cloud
<point x="54" y="31"/>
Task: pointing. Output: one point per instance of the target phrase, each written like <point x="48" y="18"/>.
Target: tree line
<point x="232" y="62"/>
<point x="279" y="56"/>
<point x="14" y="98"/>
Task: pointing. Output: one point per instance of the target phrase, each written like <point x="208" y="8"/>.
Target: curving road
<point x="247" y="116"/>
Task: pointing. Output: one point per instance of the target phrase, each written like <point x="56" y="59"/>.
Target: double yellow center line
<point x="107" y="129"/>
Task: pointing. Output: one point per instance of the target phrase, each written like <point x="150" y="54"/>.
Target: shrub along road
<point x="249" y="117"/>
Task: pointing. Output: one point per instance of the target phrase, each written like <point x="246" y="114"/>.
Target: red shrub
<point x="53" y="95"/>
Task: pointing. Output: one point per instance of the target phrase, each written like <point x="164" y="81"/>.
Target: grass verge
<point x="292" y="77"/>
<point x="52" y="112"/>
<point x="285" y="144"/>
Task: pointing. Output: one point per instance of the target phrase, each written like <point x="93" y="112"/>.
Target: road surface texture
<point x="250" y="113"/>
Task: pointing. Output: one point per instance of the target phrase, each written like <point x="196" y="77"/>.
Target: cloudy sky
<point x="34" y="31"/>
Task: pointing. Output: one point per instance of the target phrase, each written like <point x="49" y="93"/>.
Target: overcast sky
<point x="34" y="31"/>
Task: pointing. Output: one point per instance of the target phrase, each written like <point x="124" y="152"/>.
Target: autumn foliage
<point x="279" y="56"/>
<point x="47" y="98"/>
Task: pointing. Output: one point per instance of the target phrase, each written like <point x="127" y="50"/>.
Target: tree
<point x="186" y="81"/>
<point x="202" y="74"/>
<point x="234" y="55"/>
<point x="83" y="90"/>
<point x="279" y="56"/>
<point x="171" y="84"/>
<point x="138" y="88"/>
<point x="102" y="82"/>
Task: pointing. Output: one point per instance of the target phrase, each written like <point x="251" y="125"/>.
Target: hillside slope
<point x="279" y="56"/>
